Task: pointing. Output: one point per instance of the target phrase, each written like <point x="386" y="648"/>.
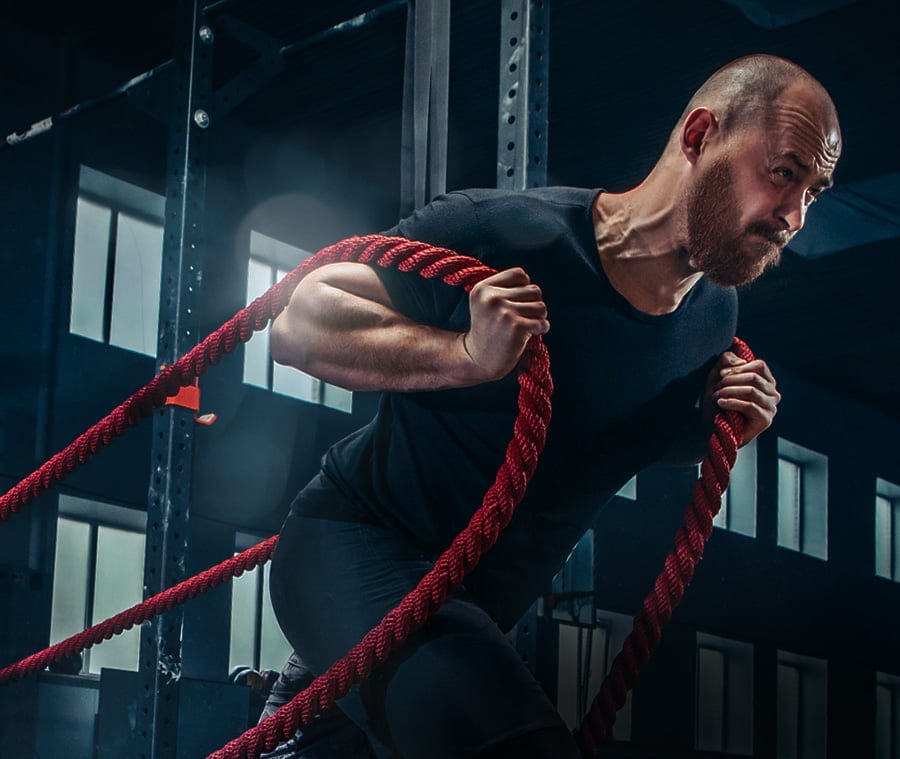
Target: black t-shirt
<point x="626" y="384"/>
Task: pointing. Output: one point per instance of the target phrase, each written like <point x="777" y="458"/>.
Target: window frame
<point x="887" y="499"/>
<point x="95" y="514"/>
<point x="279" y="258"/>
<point x="242" y="542"/>
<point x="117" y="197"/>
<point x="813" y="507"/>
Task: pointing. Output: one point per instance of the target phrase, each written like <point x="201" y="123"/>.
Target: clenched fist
<point x="506" y="310"/>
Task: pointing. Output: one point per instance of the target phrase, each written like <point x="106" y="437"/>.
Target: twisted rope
<point x="676" y="575"/>
<point x="529" y="434"/>
<point x="406" y="255"/>
<point x="464" y="553"/>
<point x="125" y="620"/>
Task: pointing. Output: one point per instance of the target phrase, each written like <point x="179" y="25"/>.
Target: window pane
<point x="629" y="489"/>
<point x="117" y="586"/>
<point x="721" y="518"/>
<point x="244" y="598"/>
<point x="135" y="305"/>
<point x="883" y="547"/>
<point x="256" y="350"/>
<point x="788" y="724"/>
<point x="289" y="381"/>
<point x="337" y="397"/>
<point x="70" y="579"/>
<point x="788" y="504"/>
<point x="274" y="648"/>
<point x="710" y="699"/>
<point x="89" y="269"/>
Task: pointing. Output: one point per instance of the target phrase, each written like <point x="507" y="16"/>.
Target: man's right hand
<point x="506" y="310"/>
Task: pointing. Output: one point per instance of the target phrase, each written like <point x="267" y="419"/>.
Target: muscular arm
<point x="341" y="326"/>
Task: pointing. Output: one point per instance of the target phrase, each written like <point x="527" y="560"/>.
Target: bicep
<point x="337" y="296"/>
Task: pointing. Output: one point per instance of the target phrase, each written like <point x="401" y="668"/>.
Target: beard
<point x="726" y="254"/>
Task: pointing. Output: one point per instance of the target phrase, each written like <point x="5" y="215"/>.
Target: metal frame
<point x="172" y="451"/>
<point x="522" y="160"/>
<point x="524" y="68"/>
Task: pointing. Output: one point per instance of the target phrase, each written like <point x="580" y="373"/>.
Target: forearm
<point x="359" y="343"/>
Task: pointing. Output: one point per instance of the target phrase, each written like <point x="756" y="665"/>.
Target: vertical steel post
<point x="522" y="152"/>
<point x="524" y="57"/>
<point x="156" y="730"/>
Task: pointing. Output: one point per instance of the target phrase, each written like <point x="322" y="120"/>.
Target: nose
<point x="792" y="212"/>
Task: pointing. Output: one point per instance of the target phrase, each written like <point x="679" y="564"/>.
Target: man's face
<point x="728" y="249"/>
<point x="752" y="197"/>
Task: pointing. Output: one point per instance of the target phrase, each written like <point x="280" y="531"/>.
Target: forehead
<point x="800" y="128"/>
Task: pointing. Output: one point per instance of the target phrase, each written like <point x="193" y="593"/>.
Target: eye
<point x="783" y="173"/>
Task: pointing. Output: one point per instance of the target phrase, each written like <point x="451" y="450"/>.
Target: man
<point x="639" y="288"/>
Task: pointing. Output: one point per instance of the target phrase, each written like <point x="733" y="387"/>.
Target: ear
<point x="698" y="128"/>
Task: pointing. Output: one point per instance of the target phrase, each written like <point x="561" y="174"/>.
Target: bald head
<point x="746" y="91"/>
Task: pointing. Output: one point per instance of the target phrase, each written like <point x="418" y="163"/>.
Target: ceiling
<point x="620" y="74"/>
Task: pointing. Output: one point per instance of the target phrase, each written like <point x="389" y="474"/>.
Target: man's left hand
<point x="747" y="387"/>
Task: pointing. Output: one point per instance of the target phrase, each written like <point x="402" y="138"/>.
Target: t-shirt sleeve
<point x="449" y="221"/>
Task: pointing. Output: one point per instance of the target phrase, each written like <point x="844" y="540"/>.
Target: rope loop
<point x="523" y="450"/>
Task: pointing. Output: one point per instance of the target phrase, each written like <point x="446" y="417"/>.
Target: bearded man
<point x="639" y="288"/>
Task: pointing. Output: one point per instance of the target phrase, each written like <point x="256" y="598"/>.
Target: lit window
<point x="117" y="263"/>
<point x="887" y="716"/>
<point x="801" y="707"/>
<point x="738" y="510"/>
<point x="586" y="653"/>
<point x="98" y="571"/>
<point x="724" y="695"/>
<point x="256" y="638"/>
<point x="802" y="499"/>
<point x="887" y="530"/>
<point x="269" y="261"/>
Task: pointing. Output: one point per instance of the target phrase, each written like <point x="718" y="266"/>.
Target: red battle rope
<point x="125" y="620"/>
<point x="677" y="574"/>
<point x="464" y="553"/>
<point x="384" y="251"/>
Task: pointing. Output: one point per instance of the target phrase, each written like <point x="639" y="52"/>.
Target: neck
<point x="641" y="242"/>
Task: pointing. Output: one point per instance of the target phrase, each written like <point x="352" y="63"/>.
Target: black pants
<point x="456" y="688"/>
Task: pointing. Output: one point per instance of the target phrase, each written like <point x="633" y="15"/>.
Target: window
<point x="587" y="649"/>
<point x="738" y="510"/>
<point x="256" y="638"/>
<point x="887" y="530"/>
<point x="802" y="499"/>
<point x="802" y="707"/>
<point x="724" y="695"/>
<point x="887" y="716"/>
<point x="117" y="263"/>
<point x="269" y="261"/>
<point x="98" y="571"/>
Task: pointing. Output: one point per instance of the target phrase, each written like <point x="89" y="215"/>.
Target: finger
<point x="729" y="359"/>
<point x="757" y="366"/>
<point x="728" y="385"/>
<point x="749" y="395"/>
<point x="520" y="294"/>
<point x="508" y="278"/>
<point x="753" y="380"/>
<point x="530" y="310"/>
